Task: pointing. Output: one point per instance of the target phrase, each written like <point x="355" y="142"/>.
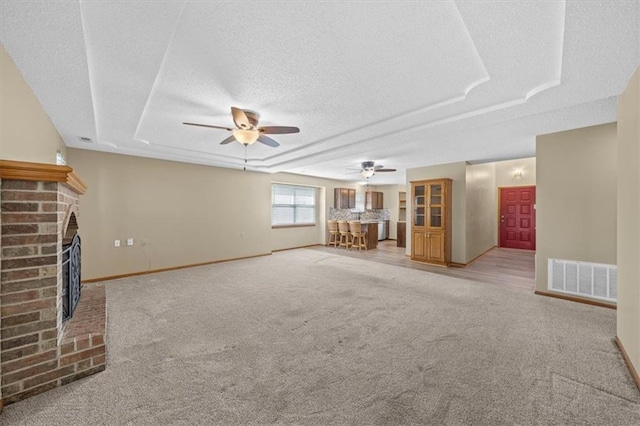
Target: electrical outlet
<point x="117" y="243"/>
<point x="129" y="241"/>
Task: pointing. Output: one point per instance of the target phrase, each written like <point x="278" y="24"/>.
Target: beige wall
<point x="628" y="212"/>
<point x="576" y="197"/>
<point x="481" y="220"/>
<point x="187" y="213"/>
<point x="26" y="133"/>
<point x="457" y="172"/>
<point x="390" y="198"/>
<point x="285" y="238"/>
<point x="505" y="172"/>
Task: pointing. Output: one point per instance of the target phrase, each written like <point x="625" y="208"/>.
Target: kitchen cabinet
<point x="386" y="229"/>
<point x="431" y="222"/>
<point x="344" y="198"/>
<point x="373" y="200"/>
<point x="401" y="234"/>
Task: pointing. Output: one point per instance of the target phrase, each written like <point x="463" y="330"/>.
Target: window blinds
<point x="293" y="205"/>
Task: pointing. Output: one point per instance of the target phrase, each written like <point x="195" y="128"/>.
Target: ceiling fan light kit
<point x="246" y="137"/>
<point x="368" y="173"/>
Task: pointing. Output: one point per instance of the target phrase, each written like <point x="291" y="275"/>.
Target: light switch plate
<point x="129" y="241"/>
<point x="117" y="243"/>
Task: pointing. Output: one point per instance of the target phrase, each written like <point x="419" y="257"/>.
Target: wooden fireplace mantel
<point x="21" y="170"/>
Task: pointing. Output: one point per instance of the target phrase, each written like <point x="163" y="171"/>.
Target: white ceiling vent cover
<point x="594" y="280"/>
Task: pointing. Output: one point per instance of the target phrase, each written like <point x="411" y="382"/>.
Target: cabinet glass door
<point x="419" y="205"/>
<point x="435" y="205"/>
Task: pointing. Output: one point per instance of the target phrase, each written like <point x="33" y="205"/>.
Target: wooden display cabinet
<point x="431" y="221"/>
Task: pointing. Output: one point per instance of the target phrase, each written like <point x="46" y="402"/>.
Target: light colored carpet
<point x="304" y="337"/>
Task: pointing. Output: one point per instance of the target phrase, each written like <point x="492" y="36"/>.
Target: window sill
<point x="302" y="225"/>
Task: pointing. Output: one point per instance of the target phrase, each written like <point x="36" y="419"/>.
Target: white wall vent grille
<point x="594" y="280"/>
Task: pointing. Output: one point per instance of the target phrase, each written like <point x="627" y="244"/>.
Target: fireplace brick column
<point x="36" y="355"/>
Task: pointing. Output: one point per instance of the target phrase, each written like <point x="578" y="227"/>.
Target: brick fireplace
<point x="39" y="349"/>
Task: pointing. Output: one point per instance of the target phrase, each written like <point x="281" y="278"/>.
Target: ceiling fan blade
<point x="240" y="118"/>
<point x="385" y="170"/>
<point x="275" y="130"/>
<point x="268" y="141"/>
<point x="208" y="125"/>
<point x="228" y="140"/>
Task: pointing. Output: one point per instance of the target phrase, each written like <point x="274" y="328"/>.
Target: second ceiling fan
<point x="369" y="168"/>
<point x="247" y="131"/>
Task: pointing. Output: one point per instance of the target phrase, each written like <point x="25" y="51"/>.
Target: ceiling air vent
<point x="85" y="139"/>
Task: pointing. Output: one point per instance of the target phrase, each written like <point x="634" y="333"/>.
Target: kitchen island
<point x="371" y="229"/>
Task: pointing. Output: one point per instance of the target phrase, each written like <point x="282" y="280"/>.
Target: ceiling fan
<point x="247" y="131"/>
<point x="369" y="168"/>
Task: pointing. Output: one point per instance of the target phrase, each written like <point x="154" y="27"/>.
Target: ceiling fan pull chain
<point x="245" y="158"/>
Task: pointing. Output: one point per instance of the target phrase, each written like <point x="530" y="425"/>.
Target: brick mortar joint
<point x="79" y="351"/>
<point x="33" y="255"/>
<point x="49" y="265"/>
<point x="24" y="302"/>
<point x="57" y="360"/>
<point x="34" y="243"/>
<point x="58" y="380"/>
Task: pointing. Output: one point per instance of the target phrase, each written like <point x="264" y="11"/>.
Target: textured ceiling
<point x="405" y="84"/>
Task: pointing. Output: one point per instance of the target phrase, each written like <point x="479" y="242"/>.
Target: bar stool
<point x="334" y="234"/>
<point x="345" y="237"/>
<point x="357" y="236"/>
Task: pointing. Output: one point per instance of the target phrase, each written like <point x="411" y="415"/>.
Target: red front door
<point x="518" y="217"/>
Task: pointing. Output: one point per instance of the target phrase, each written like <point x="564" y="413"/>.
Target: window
<point x="293" y="205"/>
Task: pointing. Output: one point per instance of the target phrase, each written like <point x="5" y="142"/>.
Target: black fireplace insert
<point x="70" y="277"/>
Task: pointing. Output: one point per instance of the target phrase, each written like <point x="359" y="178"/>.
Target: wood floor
<point x="499" y="266"/>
